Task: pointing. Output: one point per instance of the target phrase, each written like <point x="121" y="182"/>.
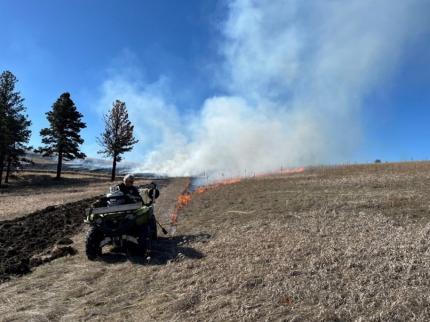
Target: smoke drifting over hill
<point x="296" y="74"/>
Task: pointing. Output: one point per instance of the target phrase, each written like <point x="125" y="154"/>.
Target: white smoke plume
<point x="296" y="73"/>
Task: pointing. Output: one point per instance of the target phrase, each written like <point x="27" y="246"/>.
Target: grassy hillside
<point x="338" y="243"/>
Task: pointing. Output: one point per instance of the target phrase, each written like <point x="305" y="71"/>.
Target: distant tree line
<point x="62" y="138"/>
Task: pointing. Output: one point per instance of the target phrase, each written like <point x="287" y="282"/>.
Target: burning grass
<point x="327" y="244"/>
<point x="186" y="196"/>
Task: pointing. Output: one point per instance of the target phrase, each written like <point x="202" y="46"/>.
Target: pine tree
<point x="62" y="138"/>
<point x="21" y="135"/>
<point x="117" y="137"/>
<point x="14" y="125"/>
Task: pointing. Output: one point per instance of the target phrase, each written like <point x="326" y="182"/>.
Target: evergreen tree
<point x="14" y="125"/>
<point x="16" y="150"/>
<point x="117" y="137"/>
<point x="62" y="138"/>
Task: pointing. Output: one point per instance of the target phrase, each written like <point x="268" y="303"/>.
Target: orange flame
<point x="181" y="202"/>
<point x="281" y="171"/>
<point x="185" y="198"/>
<point x="201" y="189"/>
<point x="293" y="170"/>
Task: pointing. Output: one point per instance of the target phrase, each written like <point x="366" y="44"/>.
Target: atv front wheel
<point x="153" y="227"/>
<point x="92" y="243"/>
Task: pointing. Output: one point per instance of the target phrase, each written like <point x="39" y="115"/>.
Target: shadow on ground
<point x="163" y="250"/>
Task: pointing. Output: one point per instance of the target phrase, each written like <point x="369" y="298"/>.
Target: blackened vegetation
<point x="22" y="238"/>
<point x="62" y="137"/>
<point x="117" y="137"/>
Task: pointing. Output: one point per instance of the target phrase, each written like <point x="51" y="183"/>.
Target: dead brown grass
<point x="32" y="191"/>
<point x="35" y="190"/>
<point x="331" y="244"/>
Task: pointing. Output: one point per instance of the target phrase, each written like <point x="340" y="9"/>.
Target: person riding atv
<point x="125" y="214"/>
<point x="127" y="187"/>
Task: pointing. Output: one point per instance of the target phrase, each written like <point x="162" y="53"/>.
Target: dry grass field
<point x="346" y="243"/>
<point x="35" y="190"/>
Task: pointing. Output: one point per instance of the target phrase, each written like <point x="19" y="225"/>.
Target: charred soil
<point x="23" y="238"/>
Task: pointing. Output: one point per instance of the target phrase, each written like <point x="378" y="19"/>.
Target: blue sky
<point x="57" y="46"/>
<point x="208" y="67"/>
<point x="398" y="114"/>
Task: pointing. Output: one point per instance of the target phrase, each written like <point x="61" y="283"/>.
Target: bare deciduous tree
<point x="117" y="137"/>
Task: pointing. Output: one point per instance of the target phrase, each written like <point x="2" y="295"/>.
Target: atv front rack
<point x="113" y="209"/>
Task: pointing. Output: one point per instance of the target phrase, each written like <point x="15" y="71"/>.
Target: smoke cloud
<point x="295" y="73"/>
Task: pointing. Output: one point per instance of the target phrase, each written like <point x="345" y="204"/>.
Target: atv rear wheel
<point x="92" y="243"/>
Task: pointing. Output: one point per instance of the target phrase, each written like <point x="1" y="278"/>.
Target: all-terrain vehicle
<point x="119" y="219"/>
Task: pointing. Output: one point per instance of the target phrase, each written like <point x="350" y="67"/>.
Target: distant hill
<point x="37" y="162"/>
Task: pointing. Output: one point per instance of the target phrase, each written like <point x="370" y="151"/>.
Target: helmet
<point x="128" y="177"/>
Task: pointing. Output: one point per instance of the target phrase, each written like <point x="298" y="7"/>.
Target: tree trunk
<point x="113" y="169"/>
<point x="59" y="164"/>
<point x="9" y="162"/>
<point x="1" y="167"/>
